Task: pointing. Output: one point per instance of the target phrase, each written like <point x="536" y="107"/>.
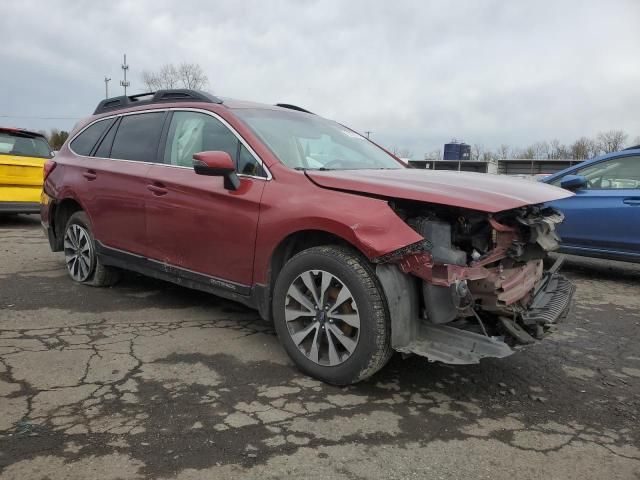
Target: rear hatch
<point x="22" y="158"/>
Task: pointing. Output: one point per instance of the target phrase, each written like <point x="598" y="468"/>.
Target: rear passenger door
<point x="115" y="180"/>
<point x="193" y="222"/>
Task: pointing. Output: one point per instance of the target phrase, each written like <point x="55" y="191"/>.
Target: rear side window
<point x="104" y="149"/>
<point x="138" y="136"/>
<point x="83" y="144"/>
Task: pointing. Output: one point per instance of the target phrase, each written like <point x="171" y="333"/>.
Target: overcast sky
<point x="415" y="73"/>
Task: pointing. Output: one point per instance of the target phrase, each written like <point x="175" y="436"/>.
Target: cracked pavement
<point x="151" y="380"/>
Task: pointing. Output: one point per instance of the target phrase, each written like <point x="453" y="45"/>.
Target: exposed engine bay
<point x="481" y="285"/>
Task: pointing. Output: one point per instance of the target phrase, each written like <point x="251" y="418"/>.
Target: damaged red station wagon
<point x="351" y="254"/>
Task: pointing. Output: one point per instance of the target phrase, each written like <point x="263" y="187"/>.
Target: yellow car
<point x="22" y="158"/>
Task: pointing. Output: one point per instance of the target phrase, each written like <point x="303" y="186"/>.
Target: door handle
<point x="632" y="201"/>
<point x="90" y="175"/>
<point x="157" y="189"/>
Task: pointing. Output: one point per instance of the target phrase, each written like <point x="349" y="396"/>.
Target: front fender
<point x="369" y="224"/>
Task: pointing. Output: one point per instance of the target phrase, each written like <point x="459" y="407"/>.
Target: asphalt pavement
<point x="150" y="380"/>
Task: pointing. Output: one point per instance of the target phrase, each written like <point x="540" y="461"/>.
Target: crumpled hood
<point x="477" y="191"/>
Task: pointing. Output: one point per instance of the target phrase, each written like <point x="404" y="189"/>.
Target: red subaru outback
<point x="351" y="254"/>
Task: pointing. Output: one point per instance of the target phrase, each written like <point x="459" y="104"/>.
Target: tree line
<point x="55" y="137"/>
<point x="581" y="149"/>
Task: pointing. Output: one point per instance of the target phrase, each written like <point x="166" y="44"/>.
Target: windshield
<point x="24" y="145"/>
<point x="305" y="141"/>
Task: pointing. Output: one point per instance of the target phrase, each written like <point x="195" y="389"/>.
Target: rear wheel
<point x="331" y="315"/>
<point x="83" y="264"/>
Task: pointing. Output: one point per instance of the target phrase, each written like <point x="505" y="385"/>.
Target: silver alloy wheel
<point x="322" y="317"/>
<point x="78" y="252"/>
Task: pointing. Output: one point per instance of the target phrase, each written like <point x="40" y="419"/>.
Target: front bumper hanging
<point x="551" y="302"/>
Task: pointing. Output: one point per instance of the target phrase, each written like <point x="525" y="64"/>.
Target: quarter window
<point x="104" y="149"/>
<point x="138" y="136"/>
<point x="83" y="144"/>
<point x="615" y="174"/>
<point x="193" y="132"/>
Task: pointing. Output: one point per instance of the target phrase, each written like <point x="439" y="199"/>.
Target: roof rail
<point x="293" y="107"/>
<point x="161" y="96"/>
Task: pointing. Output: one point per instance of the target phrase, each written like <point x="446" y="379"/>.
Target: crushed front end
<point x="478" y="281"/>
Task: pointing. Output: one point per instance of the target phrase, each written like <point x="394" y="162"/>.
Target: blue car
<point x="603" y="218"/>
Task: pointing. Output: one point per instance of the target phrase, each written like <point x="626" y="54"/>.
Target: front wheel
<point x="331" y="315"/>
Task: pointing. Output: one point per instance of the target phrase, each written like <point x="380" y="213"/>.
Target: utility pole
<point x="367" y="133"/>
<point x="106" y="87"/>
<point x="124" y="83"/>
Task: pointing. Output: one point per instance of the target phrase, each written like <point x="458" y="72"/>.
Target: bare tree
<point x="433" y="155"/>
<point x="558" y="150"/>
<point x="611" y="141"/>
<point x="185" y="75"/>
<point x="476" y="151"/>
<point x="540" y="150"/>
<point x="405" y="153"/>
<point x="583" y="148"/>
<point x="503" y="152"/>
<point x="401" y="152"/>
<point x="525" y="153"/>
<point x="488" y="156"/>
<point x="192" y="76"/>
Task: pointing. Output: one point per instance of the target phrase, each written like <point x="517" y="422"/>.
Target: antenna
<point x="367" y="133"/>
<point x="106" y="87"/>
<point x="124" y="83"/>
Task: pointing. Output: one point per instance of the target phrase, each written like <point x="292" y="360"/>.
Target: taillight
<point x="49" y="165"/>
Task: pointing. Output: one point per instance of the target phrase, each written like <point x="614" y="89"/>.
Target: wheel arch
<point x="285" y="249"/>
<point x="60" y="214"/>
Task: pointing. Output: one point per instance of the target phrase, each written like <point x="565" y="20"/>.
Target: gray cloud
<point x="415" y="73"/>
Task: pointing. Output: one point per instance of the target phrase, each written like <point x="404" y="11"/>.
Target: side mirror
<point x="217" y="164"/>
<point x="573" y="182"/>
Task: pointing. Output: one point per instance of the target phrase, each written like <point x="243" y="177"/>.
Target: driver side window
<point x="193" y="132"/>
<point x="614" y="174"/>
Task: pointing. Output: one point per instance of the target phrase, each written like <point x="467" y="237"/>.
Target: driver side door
<point x="604" y="215"/>
<point x="195" y="223"/>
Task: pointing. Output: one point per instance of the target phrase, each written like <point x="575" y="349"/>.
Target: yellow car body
<point x="22" y="158"/>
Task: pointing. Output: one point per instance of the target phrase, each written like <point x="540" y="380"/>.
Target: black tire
<point x="99" y="275"/>
<point x="373" y="348"/>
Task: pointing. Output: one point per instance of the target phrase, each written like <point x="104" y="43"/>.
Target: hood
<point x="476" y="191"/>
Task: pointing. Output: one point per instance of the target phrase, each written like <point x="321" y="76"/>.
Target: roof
<point x="182" y="95"/>
<point x="21" y="131"/>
